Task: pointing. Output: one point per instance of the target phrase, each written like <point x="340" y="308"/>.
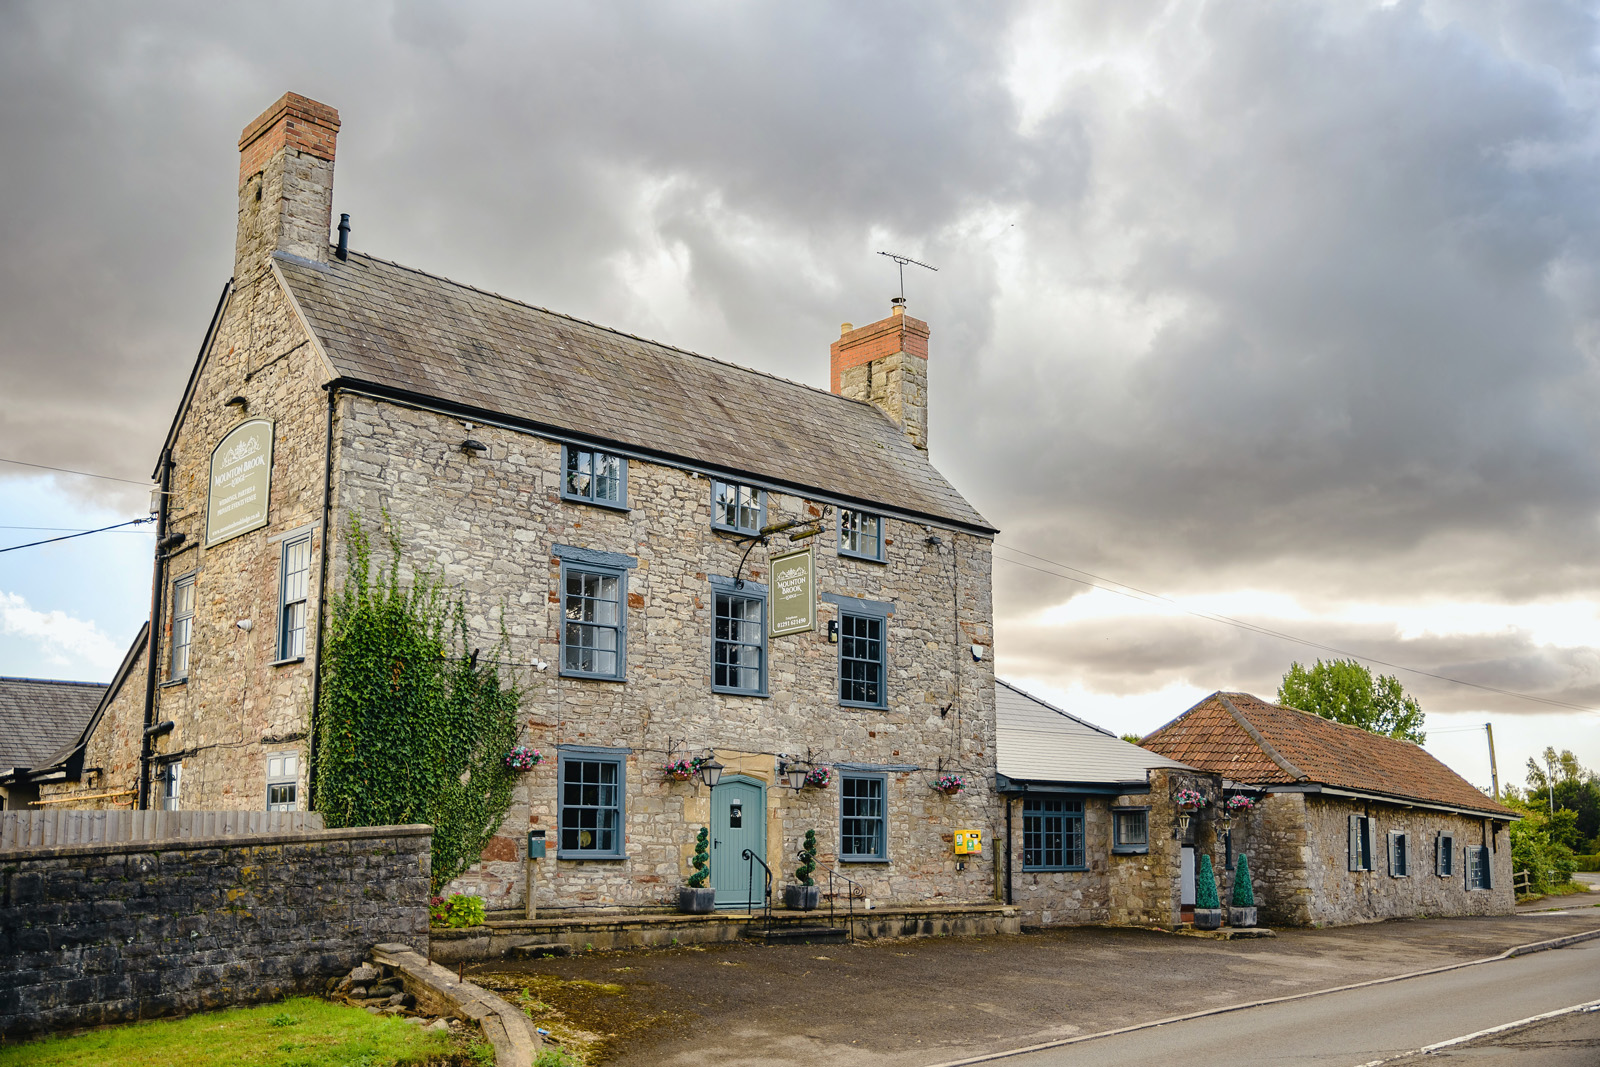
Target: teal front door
<point x="738" y="822"/>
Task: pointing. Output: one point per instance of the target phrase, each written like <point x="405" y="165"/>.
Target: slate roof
<point x="1038" y="742"/>
<point x="39" y="717"/>
<point x="406" y="330"/>
<point x="1296" y="746"/>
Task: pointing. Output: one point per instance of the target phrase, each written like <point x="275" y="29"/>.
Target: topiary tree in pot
<point x="696" y="897"/>
<point x="804" y="895"/>
<point x="1242" y="906"/>
<point x="1207" y="907"/>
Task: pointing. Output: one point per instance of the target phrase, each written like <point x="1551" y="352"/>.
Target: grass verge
<point x="299" y="1032"/>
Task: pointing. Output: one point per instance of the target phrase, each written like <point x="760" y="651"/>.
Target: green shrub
<point x="1205" y="886"/>
<point x="1549" y="865"/>
<point x="459" y="911"/>
<point x="702" y="856"/>
<point x="1244" y="893"/>
<point x="1586" y="863"/>
<point x="808" y="859"/>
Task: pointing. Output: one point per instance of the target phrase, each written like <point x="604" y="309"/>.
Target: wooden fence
<point x="60" y="829"/>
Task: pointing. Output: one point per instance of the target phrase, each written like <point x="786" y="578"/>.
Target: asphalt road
<point x="1358" y="1026"/>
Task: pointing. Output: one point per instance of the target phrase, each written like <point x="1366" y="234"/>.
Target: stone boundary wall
<point x="108" y="933"/>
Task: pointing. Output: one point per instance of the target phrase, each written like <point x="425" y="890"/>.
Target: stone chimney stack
<point x="285" y="183"/>
<point x="886" y="364"/>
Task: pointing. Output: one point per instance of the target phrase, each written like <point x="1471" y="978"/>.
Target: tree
<point x="1345" y="691"/>
<point x="1576" y="789"/>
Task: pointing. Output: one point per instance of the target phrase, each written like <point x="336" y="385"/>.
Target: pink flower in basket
<point x="683" y="769"/>
<point x="523" y="758"/>
<point x="1238" y="804"/>
<point x="1189" y="800"/>
<point x="819" y="776"/>
<point x="950" y="784"/>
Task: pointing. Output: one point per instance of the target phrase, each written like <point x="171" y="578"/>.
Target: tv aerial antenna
<point x="900" y="262"/>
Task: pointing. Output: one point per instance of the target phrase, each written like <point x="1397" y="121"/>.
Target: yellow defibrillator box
<point x="969" y="842"/>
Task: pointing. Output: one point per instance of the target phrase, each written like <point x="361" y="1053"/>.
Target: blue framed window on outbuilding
<point x="594" y="477"/>
<point x="594" y="616"/>
<point x="590" y="821"/>
<point x="738" y="637"/>
<point x="1052" y="834"/>
<point x="1130" y="831"/>
<point x="861" y="535"/>
<point x="294" y="579"/>
<point x="737" y="508"/>
<point x="863" y="817"/>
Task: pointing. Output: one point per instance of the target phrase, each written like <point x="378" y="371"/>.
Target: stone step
<point x="537" y="951"/>
<point x="797" y="934"/>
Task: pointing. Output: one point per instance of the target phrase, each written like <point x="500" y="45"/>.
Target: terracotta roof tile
<point x="1209" y="736"/>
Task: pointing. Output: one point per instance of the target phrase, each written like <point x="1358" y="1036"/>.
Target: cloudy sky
<point x="1287" y="313"/>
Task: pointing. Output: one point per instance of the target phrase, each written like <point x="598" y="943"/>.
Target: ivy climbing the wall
<point x="411" y="728"/>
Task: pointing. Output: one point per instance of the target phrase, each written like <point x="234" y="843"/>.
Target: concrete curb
<point x="1510" y="953"/>
<point x="1503" y="1028"/>
<point x="515" y="1042"/>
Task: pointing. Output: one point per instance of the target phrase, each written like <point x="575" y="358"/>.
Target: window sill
<point x="287" y="662"/>
<point x="845" y="553"/>
<point x="734" y="531"/>
<point x="612" y="856"/>
<point x="1054" y="870"/>
<point x="581" y="677"/>
<point x="170" y="682"/>
<point x="858" y="704"/>
<point x="722" y="692"/>
<point x="608" y="505"/>
<point x="1130" y="850"/>
<point x="864" y="859"/>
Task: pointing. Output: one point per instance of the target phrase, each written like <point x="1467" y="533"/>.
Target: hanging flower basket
<point x="819" y="777"/>
<point x="1189" y="800"/>
<point x="1239" y="804"/>
<point x="949" y="784"/>
<point x="681" y="770"/>
<point x="523" y="758"/>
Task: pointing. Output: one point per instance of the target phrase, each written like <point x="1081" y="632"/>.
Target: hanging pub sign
<point x="794" y="593"/>
<point x="241" y="481"/>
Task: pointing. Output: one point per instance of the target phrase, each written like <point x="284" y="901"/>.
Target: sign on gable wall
<point x="794" y="593"/>
<point x="241" y="482"/>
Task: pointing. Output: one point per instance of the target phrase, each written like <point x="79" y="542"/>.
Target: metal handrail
<point x="850" y="895"/>
<point x="750" y="887"/>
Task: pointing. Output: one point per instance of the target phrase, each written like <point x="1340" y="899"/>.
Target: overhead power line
<point x="84" y="533"/>
<point x="1123" y="589"/>
<point x="64" y="470"/>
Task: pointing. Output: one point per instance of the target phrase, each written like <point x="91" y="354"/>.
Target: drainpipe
<point x="1011" y="807"/>
<point x="153" y="637"/>
<point x="322" y="600"/>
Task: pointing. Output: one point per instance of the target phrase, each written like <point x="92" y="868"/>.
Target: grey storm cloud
<point x="1299" y="297"/>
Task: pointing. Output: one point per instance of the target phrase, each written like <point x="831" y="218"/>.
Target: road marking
<point x="1439" y="1046"/>
<point x="1510" y="953"/>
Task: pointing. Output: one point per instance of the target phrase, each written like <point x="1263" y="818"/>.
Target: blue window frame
<point x="738" y="637"/>
<point x="594" y="477"/>
<point x="294" y="574"/>
<point x="1052" y="834"/>
<point x="594" y="623"/>
<point x="1478" y="870"/>
<point x="862" y="659"/>
<point x="592" y="802"/>
<point x="737" y="508"/>
<point x="1130" y="830"/>
<point x="1444" y="855"/>
<point x="182" y="626"/>
<point x="863" y="818"/>
<point x="860" y="535"/>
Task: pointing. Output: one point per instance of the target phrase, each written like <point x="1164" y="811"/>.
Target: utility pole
<point x="1494" y="775"/>
<point x="1551" y="782"/>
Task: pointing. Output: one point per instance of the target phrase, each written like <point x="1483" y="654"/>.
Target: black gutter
<point x="322" y="600"/>
<point x="157" y="587"/>
<point x="468" y="412"/>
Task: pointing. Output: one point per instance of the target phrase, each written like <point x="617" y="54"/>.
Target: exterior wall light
<point x="793" y="772"/>
<point x="471" y="446"/>
<point x="711" y="772"/>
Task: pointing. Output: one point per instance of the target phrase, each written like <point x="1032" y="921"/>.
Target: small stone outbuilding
<point x="1347" y="826"/>
<point x="1091" y="829"/>
<point x="40" y="721"/>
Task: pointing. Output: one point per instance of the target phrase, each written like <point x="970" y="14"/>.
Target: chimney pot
<point x="885" y="363"/>
<point x="845" y="327"/>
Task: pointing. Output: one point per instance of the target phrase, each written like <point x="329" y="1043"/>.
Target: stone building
<point x="603" y="497"/>
<point x="1092" y="831"/>
<point x="41" y="720"/>
<point x="1347" y="826"/>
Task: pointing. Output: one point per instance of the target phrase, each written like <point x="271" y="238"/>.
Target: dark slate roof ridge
<point x="1045" y="703"/>
<point x="598" y="326"/>
<point x="52" y="681"/>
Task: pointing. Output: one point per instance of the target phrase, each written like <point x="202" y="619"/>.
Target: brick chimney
<point x="285" y="183"/>
<point x="886" y="364"/>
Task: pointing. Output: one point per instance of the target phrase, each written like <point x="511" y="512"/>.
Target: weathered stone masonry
<point x="98" y="934"/>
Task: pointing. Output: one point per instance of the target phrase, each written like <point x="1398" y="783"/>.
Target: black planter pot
<point x="697" y="901"/>
<point x="1207" y="918"/>
<point x="802" y="897"/>
<point x="1241" y="916"/>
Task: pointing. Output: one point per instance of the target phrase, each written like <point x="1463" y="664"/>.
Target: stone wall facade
<point x="98" y="934"/>
<point x="1124" y="889"/>
<point x="1298" y="844"/>
<point x="489" y="525"/>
